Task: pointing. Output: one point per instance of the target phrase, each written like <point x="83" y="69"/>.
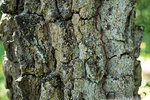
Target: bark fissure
<point x="102" y="43"/>
<point x="58" y="10"/>
<point x="106" y="64"/>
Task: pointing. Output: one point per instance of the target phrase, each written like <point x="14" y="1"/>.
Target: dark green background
<point x="143" y="18"/>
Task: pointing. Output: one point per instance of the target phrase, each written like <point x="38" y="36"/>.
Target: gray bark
<point x="71" y="49"/>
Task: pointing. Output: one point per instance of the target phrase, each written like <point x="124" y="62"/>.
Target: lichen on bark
<point x="70" y="49"/>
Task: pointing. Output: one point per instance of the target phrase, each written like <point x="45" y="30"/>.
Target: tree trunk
<point x="70" y="49"/>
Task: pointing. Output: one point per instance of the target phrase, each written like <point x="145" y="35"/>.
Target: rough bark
<point x="70" y="49"/>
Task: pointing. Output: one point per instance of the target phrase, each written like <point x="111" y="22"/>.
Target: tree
<point x="71" y="49"/>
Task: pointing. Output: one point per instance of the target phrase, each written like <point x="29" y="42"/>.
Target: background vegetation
<point x="143" y="18"/>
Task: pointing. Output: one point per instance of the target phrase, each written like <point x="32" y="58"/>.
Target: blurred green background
<point x="142" y="18"/>
<point x="3" y="91"/>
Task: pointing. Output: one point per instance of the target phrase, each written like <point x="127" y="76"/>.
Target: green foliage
<point x="1" y="54"/>
<point x="3" y="91"/>
<point x="143" y="18"/>
<point x="148" y="84"/>
<point x="1" y="49"/>
<point x="145" y="90"/>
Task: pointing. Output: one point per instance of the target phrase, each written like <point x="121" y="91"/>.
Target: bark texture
<point x="70" y="49"/>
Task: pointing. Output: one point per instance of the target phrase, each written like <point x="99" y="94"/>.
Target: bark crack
<point x="106" y="64"/>
<point x="128" y="20"/>
<point x="58" y="9"/>
<point x="102" y="42"/>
